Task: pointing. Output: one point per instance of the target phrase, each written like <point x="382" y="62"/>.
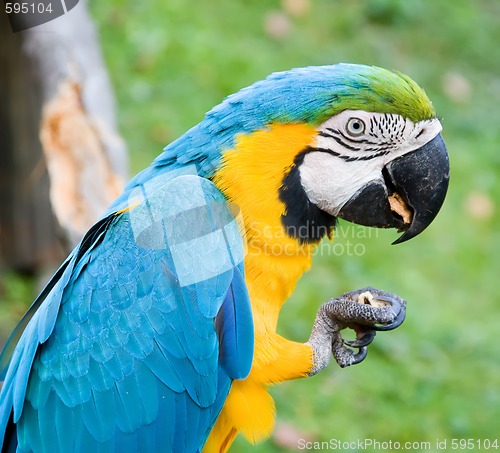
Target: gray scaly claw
<point x="366" y="311"/>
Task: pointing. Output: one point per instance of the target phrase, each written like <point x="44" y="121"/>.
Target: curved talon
<point x="362" y="340"/>
<point x="398" y="308"/>
<point x="360" y="356"/>
<point x="396" y="323"/>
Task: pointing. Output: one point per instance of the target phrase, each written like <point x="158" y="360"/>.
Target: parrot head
<point x="377" y="157"/>
<point x="347" y="141"/>
<point x="375" y="169"/>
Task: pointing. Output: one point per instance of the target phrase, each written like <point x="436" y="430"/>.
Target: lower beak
<point x="418" y="181"/>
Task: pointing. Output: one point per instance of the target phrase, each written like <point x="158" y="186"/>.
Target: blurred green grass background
<point x="438" y="376"/>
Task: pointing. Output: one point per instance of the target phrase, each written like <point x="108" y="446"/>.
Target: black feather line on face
<point x="302" y="219"/>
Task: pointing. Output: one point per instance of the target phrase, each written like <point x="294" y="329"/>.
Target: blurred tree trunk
<point x="61" y="159"/>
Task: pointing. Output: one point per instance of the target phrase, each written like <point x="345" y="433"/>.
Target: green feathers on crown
<point x="379" y="90"/>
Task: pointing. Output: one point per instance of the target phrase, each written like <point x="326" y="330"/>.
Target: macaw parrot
<point x="158" y="332"/>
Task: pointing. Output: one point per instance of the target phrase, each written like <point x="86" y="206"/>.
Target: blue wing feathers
<point x="123" y="352"/>
<point x="47" y="426"/>
<point x="17" y="373"/>
<point x="235" y="330"/>
<point x="64" y="417"/>
<point x="7" y="352"/>
<point x="181" y="421"/>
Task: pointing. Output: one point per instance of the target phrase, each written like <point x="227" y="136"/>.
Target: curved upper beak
<point x="417" y="180"/>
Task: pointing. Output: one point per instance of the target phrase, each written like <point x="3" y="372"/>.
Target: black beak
<point x="421" y="180"/>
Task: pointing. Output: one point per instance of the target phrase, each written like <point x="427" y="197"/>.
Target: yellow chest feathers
<point x="250" y="177"/>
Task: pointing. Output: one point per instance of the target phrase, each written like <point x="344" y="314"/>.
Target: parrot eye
<point x="355" y="127"/>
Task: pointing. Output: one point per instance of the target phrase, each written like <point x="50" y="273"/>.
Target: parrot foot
<point x="366" y="311"/>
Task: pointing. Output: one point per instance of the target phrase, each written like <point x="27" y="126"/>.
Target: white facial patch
<point x="351" y="150"/>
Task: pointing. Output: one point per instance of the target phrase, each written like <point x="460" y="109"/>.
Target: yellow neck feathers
<point x="250" y="176"/>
